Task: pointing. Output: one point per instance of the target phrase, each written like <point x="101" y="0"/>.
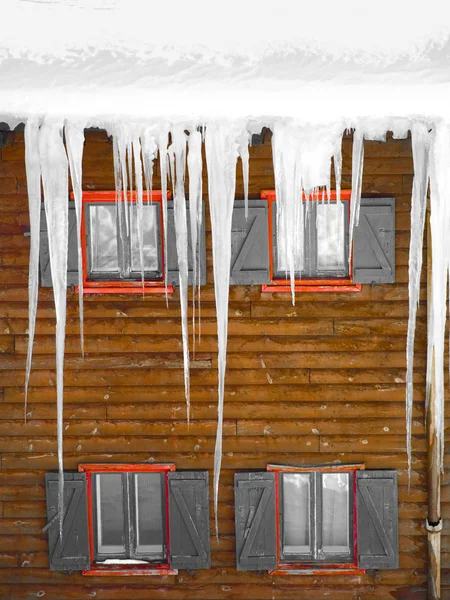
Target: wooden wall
<point x="322" y="381"/>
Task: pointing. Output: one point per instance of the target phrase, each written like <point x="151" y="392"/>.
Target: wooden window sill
<point x="116" y="571"/>
<point x="312" y="287"/>
<point x="316" y="570"/>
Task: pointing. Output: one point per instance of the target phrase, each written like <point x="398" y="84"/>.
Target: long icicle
<point x="357" y="175"/>
<point x="177" y="153"/>
<point x="221" y="145"/>
<point x="136" y="146"/>
<point x="194" y="161"/>
<point x="440" y="245"/>
<point x="74" y="134"/>
<point x="163" y="139"/>
<point x="54" y="168"/>
<point x="420" y="150"/>
<point x="33" y="169"/>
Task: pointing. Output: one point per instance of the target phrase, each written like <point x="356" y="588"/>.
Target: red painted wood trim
<point x="115" y="571"/>
<point x="305" y="285"/>
<point x="118" y="570"/>
<point x="126" y="467"/>
<point x="121" y="287"/>
<point x="308" y="570"/>
<point x="315" y="569"/>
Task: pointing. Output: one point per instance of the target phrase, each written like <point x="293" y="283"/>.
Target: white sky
<point x="201" y="59"/>
<point x="245" y="26"/>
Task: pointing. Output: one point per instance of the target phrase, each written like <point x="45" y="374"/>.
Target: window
<point x="129" y="519"/>
<point x="111" y="250"/>
<point x="325" y="519"/>
<point x="315" y="521"/>
<point x="322" y="259"/>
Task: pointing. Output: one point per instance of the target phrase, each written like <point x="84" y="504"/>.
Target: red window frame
<point x="98" y="570"/>
<point x="315" y="569"/>
<point x="116" y="286"/>
<point x="304" y="285"/>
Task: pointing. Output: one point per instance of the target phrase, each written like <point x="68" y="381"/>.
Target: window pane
<point x="330" y="237"/>
<point x="103" y="230"/>
<point x="110" y="513"/>
<point x="299" y="259"/>
<point x="335" y="512"/>
<point x="150" y="230"/>
<point x="149" y="513"/>
<point x="296" y="522"/>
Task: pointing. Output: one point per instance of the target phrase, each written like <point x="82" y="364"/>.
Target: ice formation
<point x="177" y="153"/>
<point x="302" y="165"/>
<point x="195" y="167"/>
<point x="223" y="144"/>
<point x="420" y="138"/>
<point x="74" y="135"/>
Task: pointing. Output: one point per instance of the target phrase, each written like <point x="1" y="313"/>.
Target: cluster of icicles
<point x="302" y="159"/>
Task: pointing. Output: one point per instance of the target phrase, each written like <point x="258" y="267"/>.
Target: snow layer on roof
<point x="316" y="61"/>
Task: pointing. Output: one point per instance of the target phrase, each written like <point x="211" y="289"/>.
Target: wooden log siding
<point x="318" y="382"/>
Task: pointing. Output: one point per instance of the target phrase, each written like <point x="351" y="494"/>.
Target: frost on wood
<point x="222" y="145"/>
<point x="420" y="149"/>
<point x="302" y="164"/>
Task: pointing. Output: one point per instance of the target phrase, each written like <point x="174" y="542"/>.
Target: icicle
<point x="136" y="147"/>
<point x="302" y="163"/>
<point x="221" y="145"/>
<point x="163" y="139"/>
<point x="420" y="150"/>
<point x="440" y="226"/>
<point x="244" y="154"/>
<point x="74" y="134"/>
<point x="54" y="169"/>
<point x="357" y="174"/>
<point x="149" y="149"/>
<point x="337" y="162"/>
<point x="195" y="165"/>
<point x="177" y="153"/>
<point x="33" y="170"/>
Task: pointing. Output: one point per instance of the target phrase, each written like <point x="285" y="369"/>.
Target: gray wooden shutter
<point x="172" y="257"/>
<point x="73" y="553"/>
<point x="377" y="507"/>
<point x="250" y="243"/>
<point x="189" y="520"/>
<point x="255" y="521"/>
<point x="374" y="242"/>
<point x="72" y="257"/>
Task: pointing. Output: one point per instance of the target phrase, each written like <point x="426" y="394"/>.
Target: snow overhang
<point x="197" y="61"/>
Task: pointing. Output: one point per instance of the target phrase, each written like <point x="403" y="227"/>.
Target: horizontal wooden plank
<point x="111" y="428"/>
<point x="361" y="426"/>
<point x="341" y="309"/>
<point x="346" y="391"/>
<point x="161" y="377"/>
<point x="283" y="342"/>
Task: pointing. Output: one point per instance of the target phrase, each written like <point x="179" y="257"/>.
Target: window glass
<point x="149" y="513"/>
<point x="110" y="513"/>
<point x="299" y="258"/>
<point x="330" y="236"/>
<point x="296" y="516"/>
<point x="150" y="230"/>
<point x="103" y="228"/>
<point x="335" y="512"/>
